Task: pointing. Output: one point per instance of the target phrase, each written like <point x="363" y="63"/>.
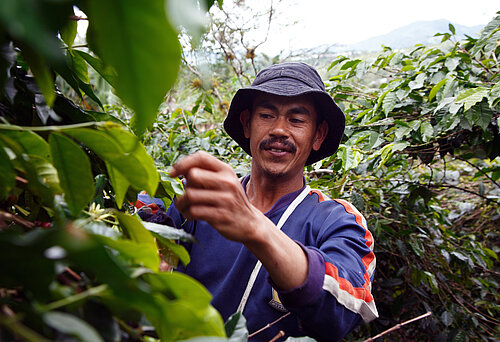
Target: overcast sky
<point x="320" y="22"/>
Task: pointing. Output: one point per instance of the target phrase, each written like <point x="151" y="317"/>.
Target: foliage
<point x="420" y="160"/>
<point x="74" y="263"/>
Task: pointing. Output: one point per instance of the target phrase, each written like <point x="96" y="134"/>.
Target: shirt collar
<point x="282" y="201"/>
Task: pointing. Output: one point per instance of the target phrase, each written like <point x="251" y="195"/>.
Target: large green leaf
<point x="120" y="184"/>
<point x="73" y="168"/>
<point x="142" y="253"/>
<point x="107" y="72"/>
<point x="127" y="156"/>
<point x="31" y="142"/>
<point x="472" y="96"/>
<point x="78" y="65"/>
<point x="72" y="325"/>
<point x="69" y="30"/>
<point x="136" y="231"/>
<point x="177" y="285"/>
<point x="132" y="146"/>
<point x="135" y="38"/>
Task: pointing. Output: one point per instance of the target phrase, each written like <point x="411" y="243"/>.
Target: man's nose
<point x="280" y="127"/>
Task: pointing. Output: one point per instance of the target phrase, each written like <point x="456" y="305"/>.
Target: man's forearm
<point x="283" y="258"/>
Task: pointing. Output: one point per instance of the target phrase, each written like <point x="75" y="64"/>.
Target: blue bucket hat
<point x="289" y="79"/>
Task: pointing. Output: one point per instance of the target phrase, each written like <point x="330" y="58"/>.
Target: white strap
<point x="258" y="265"/>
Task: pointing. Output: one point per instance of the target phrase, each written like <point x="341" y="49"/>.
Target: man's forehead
<point x="298" y="104"/>
<point x="270" y="100"/>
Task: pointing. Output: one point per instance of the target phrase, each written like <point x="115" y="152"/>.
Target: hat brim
<point x="325" y="105"/>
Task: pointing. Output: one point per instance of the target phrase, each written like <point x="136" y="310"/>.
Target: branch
<point x="268" y="326"/>
<point x="397" y="326"/>
<point x="6" y="216"/>
<point x="479" y="169"/>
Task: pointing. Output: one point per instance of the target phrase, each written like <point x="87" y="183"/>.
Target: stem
<point x="278" y="335"/>
<point x="93" y="291"/>
<point x="397" y="326"/>
<point x="268" y="326"/>
<point x="11" y="322"/>
<point x="480" y="170"/>
<point x="50" y="128"/>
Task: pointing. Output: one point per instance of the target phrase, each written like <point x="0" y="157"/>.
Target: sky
<point x="310" y="23"/>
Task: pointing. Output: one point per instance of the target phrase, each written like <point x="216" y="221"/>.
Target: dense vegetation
<point x="419" y="159"/>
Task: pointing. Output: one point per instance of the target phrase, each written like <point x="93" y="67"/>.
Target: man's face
<point x="282" y="132"/>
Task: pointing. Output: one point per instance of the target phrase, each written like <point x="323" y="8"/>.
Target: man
<point x="316" y="253"/>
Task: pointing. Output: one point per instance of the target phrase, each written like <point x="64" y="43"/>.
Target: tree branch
<point x="397" y="326"/>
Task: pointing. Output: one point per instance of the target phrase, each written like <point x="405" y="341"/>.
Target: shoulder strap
<point x="281" y="222"/>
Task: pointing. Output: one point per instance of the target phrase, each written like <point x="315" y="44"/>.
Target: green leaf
<point x="446" y="318"/>
<point x="34" y="23"/>
<point x="168" y="232"/>
<point x="79" y="66"/>
<point x="426" y="130"/>
<point x="119" y="182"/>
<point x="350" y="158"/>
<point x="142" y="253"/>
<point x="123" y="152"/>
<point x="46" y="177"/>
<point x="236" y="328"/>
<point x="72" y="325"/>
<point x="8" y="179"/>
<point x="431" y="279"/>
<point x="73" y="168"/>
<point x="471" y="96"/>
<point x="69" y="30"/>
<point x="136" y="231"/>
<point x="136" y="39"/>
<point x="41" y="71"/>
<point x="177" y="285"/>
<point x="31" y="142"/>
<point x="452" y="28"/>
<point x="107" y="72"/>
<point x="389" y="102"/>
<point x="132" y="146"/>
<point x="436" y="88"/>
<point x="175" y="248"/>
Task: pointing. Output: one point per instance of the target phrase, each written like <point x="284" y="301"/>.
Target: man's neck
<point x="263" y="191"/>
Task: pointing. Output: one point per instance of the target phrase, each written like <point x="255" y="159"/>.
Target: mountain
<point x="420" y="32"/>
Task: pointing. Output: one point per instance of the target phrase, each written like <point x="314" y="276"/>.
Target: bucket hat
<point x="289" y="79"/>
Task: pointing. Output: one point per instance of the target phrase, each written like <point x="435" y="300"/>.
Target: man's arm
<point x="214" y="194"/>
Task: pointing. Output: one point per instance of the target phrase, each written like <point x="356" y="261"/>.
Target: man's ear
<point x="245" y="122"/>
<point x="320" y="135"/>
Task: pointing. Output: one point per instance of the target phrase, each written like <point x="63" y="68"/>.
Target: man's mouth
<point x="278" y="146"/>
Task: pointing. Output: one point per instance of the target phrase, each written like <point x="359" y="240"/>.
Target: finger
<point x="199" y="159"/>
<point x="207" y="179"/>
<point x="196" y="196"/>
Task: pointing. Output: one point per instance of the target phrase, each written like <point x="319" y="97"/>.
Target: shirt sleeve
<point x="336" y="295"/>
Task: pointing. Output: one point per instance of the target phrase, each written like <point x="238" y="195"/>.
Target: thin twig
<point x="398" y="326"/>
<point x="479" y="169"/>
<point x="278" y="335"/>
<point x="268" y="325"/>
<point x="6" y="216"/>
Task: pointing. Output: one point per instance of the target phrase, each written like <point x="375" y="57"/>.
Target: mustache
<point x="266" y="144"/>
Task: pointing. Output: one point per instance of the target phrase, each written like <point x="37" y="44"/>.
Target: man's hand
<point x="214" y="194"/>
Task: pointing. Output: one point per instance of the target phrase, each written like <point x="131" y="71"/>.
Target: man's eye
<point x="297" y="121"/>
<point x="265" y="116"/>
